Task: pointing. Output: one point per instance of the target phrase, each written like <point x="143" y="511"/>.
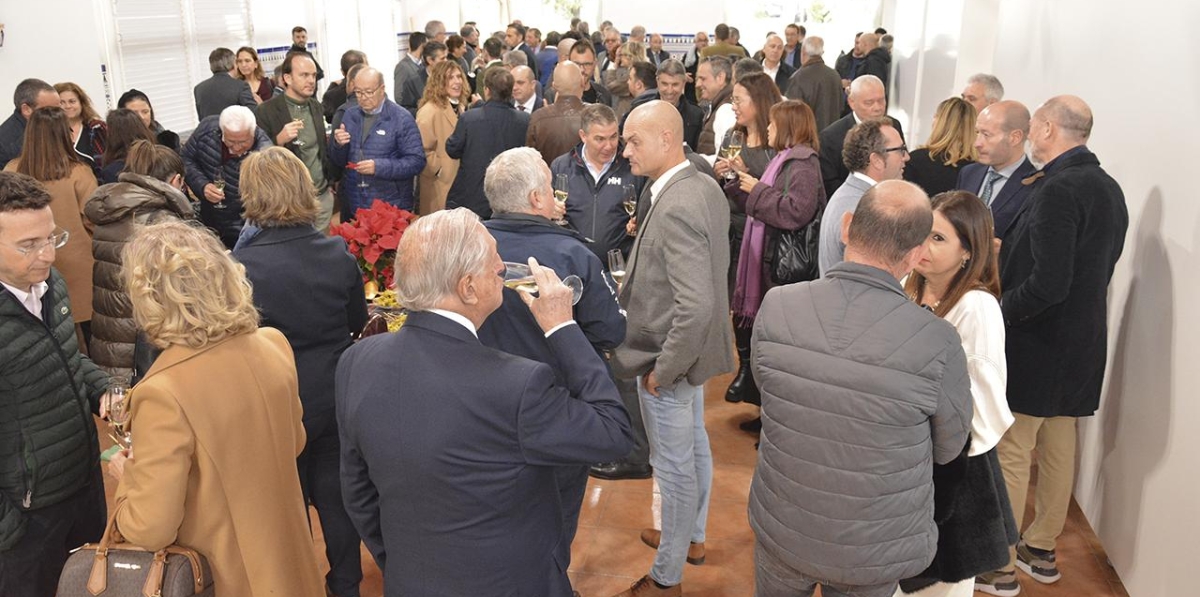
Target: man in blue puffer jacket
<point x="379" y="146"/>
<point x="213" y="156"/>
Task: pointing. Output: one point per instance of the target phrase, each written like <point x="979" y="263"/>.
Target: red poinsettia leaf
<point x="371" y="253"/>
<point x="390" y="241"/>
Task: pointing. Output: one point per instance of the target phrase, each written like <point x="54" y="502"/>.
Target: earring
<point x="964" y="263"/>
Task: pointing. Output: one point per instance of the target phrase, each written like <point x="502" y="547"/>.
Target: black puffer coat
<point x="48" y="393"/>
<point x="117" y="210"/>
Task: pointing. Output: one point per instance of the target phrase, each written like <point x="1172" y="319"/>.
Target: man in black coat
<point x="213" y="159"/>
<point x="1055" y="265"/>
<point x="30" y="95"/>
<point x="450" y="449"/>
<point x="514" y="38"/>
<point x="340" y="91"/>
<point x="221" y="90"/>
<point x="876" y="60"/>
<point x="867" y="100"/>
<point x="672" y="80"/>
<point x="482" y="134"/>
<point x="584" y="54"/>
<point x="300" y="44"/>
<point x="773" y="63"/>
<point x="997" y="176"/>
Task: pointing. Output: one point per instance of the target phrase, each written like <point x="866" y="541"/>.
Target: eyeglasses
<point x="367" y="93"/>
<point x="56" y="240"/>
<point x="899" y="148"/>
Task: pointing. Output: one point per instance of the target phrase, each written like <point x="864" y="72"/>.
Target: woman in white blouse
<point x="959" y="281"/>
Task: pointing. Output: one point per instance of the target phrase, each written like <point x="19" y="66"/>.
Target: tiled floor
<point x="607" y="555"/>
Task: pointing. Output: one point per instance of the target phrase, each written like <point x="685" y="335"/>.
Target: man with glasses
<point x="212" y="160"/>
<point x="867" y="100"/>
<point x="379" y="146"/>
<point x="51" y="488"/>
<point x="584" y="55"/>
<point x="874" y="152"/>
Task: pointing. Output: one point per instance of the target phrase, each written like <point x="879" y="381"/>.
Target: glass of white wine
<point x="118" y="409"/>
<point x="219" y="184"/>
<point x="519" y="277"/>
<point x="732" y="149"/>
<point x="629" y="199"/>
<point x="561" y="184"/>
<point x="616" y="265"/>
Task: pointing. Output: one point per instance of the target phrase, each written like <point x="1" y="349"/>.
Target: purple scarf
<point x="749" y="288"/>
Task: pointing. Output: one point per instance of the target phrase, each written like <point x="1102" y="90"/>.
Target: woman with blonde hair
<point x="88" y="131"/>
<point x="250" y="70"/>
<point x="49" y="156"/>
<point x="286" y="260"/>
<point x="216" y="422"/>
<point x="437" y="115"/>
<point x="934" y="166"/>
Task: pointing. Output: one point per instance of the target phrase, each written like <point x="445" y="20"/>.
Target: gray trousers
<point x="775" y="578"/>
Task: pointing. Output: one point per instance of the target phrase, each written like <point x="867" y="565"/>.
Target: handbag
<point x="792" y="254"/>
<point x="113" y="568"/>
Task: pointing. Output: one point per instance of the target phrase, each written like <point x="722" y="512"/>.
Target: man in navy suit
<point x="450" y="448"/>
<point x="1000" y="134"/>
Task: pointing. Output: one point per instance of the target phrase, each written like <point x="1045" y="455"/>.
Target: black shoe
<point x="737" y="388"/>
<point x="753" y="425"/>
<point x="615" y="471"/>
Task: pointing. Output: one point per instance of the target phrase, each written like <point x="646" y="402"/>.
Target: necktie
<point x="986" y="195"/>
<point x="521" y="107"/>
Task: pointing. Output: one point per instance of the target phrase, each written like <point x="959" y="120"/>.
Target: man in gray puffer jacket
<point x="862" y="392"/>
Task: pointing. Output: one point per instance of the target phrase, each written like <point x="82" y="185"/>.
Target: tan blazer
<point x="74" y="261"/>
<point x="216" y="432"/>
<point x="436" y="124"/>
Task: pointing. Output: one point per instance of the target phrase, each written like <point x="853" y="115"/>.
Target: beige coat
<point x="436" y="124"/>
<point x="74" y="261"/>
<point x="216" y="432"/>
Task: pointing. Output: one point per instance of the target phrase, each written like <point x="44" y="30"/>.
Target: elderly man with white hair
<point x="213" y="158"/>
<point x="816" y="84"/>
<point x="867" y="100"/>
<point x="983" y="90"/>
<point x="451" y="449"/>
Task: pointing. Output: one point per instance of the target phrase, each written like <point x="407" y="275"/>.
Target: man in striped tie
<point x="998" y="176"/>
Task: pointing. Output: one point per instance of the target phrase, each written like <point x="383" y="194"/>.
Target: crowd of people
<point x="913" y="325"/>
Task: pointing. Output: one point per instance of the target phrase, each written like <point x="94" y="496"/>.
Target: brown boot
<point x="645" y="587"/>
<point x="695" y="555"/>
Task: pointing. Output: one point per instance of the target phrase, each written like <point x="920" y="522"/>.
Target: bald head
<point x="1062" y="123"/>
<point x="564" y="48"/>
<point x="654" y="138"/>
<point x="1011" y="115"/>
<point x="889" y="227"/>
<point x="523" y="87"/>
<point x="368" y="78"/>
<point x="568" y="79"/>
<point x="869" y="42"/>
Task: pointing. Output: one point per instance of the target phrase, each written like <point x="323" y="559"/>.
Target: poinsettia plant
<point x="372" y="237"/>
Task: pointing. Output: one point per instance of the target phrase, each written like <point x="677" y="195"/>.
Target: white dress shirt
<point x="658" y="185"/>
<point x="457" y="318"/>
<point x="31" y="299"/>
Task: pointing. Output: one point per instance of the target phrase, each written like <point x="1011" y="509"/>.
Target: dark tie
<point x="521" y="107"/>
<point x="986" y="195"/>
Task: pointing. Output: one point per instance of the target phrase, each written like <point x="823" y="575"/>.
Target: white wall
<point x="33" y="49"/>
<point x="1139" y="474"/>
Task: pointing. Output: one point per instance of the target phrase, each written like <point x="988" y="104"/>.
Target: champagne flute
<point x="119" y="413"/>
<point x="362" y="178"/>
<point x="616" y="265"/>
<point x="561" y="184"/>
<point x="629" y="199"/>
<point x="733" y="148"/>
<point x="219" y="184"/>
<point x="518" y="276"/>
<point x="297" y="117"/>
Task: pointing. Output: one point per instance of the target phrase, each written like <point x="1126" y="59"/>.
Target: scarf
<point x="749" y="288"/>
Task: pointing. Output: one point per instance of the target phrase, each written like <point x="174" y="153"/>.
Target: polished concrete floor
<point x="607" y="555"/>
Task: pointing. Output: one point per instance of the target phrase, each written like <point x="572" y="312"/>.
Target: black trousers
<point x="320" y="479"/>
<point x="32" y="567"/>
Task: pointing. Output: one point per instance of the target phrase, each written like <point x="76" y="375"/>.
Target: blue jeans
<point x="682" y="461"/>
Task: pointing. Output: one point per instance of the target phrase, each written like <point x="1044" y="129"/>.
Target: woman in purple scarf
<point x="786" y="198"/>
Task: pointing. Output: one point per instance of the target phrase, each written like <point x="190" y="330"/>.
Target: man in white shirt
<point x="874" y="152"/>
<point x="525" y="93"/>
<point x="714" y="80"/>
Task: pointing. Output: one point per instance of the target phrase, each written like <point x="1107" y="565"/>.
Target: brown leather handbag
<point x="113" y="568"/>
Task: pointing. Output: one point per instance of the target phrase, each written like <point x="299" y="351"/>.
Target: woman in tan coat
<point x="49" y="156"/>
<point x="216" y="422"/>
<point x="436" y="118"/>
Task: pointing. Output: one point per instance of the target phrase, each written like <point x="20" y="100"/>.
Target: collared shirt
<point x="864" y="177"/>
<point x="771" y="71"/>
<point x="791" y="55"/>
<point x="658" y="185"/>
<point x="31" y="299"/>
<point x="596" y="174"/>
<point x="528" y="105"/>
<point x="457" y="318"/>
<point x="1005" y="174"/>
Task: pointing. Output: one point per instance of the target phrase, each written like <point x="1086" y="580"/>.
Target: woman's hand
<point x="746" y="182"/>
<point x="721" y="167"/>
<point x="116" y="465"/>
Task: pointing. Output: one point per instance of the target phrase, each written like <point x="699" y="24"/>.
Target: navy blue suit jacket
<point x="449" y="450"/>
<point x="1007" y="203"/>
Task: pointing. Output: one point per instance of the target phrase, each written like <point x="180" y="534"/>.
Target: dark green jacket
<point x="48" y="393"/>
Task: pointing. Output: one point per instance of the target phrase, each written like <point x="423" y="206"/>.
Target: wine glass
<point x="519" y="277"/>
<point x="561" y="184"/>
<point x="616" y="265"/>
<point x="732" y="149"/>
<point x="298" y="116"/>
<point x="119" y="413"/>
<point x="362" y="178"/>
<point x="219" y="183"/>
<point x="629" y="199"/>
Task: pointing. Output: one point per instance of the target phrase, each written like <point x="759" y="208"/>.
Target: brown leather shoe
<point x="695" y="555"/>
<point x="645" y="587"/>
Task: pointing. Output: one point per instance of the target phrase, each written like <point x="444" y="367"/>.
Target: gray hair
<point x="744" y="67"/>
<point x="720" y="65"/>
<point x="27" y="92"/>
<point x="435" y="252"/>
<point x="434" y="28"/>
<point x="860" y="82"/>
<point x="887" y="41"/>
<point x="992" y="89"/>
<point x="672" y="68"/>
<point x="814" y="46"/>
<point x="513" y="58"/>
<point x="511" y="177"/>
<point x="237" y="119"/>
<point x="220" y="60"/>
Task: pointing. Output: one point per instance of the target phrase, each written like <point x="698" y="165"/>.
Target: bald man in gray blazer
<point x="679" y="335"/>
